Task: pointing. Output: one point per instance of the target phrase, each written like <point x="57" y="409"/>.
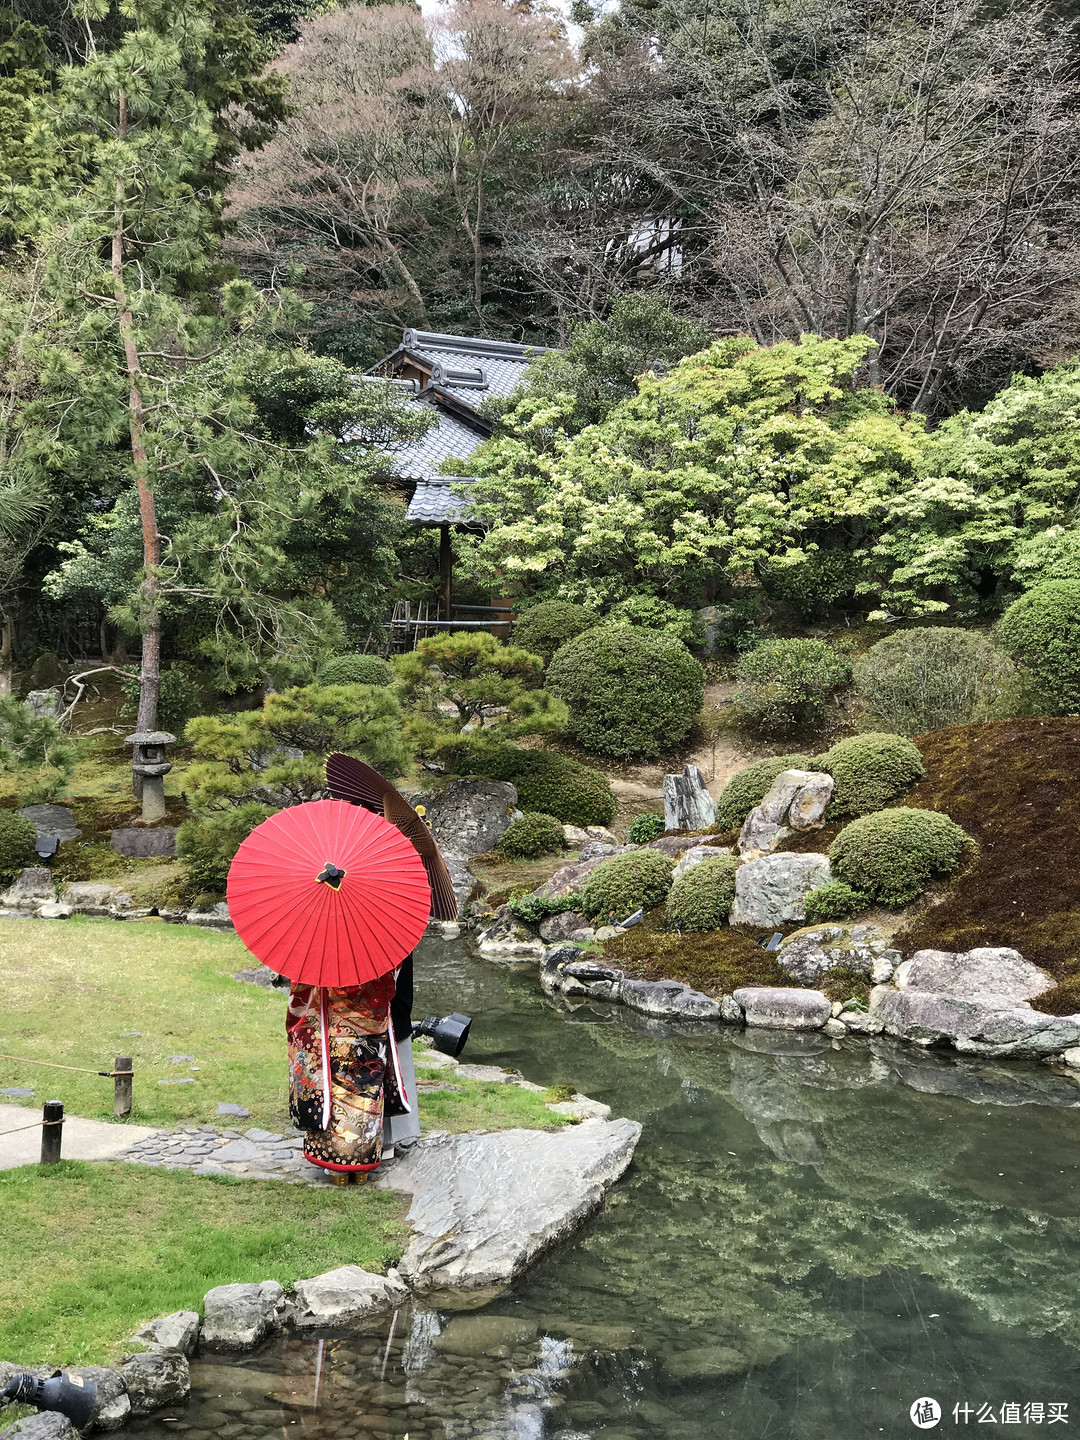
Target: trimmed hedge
<point x="531" y="836"/>
<point x="631" y="692"/>
<point x="929" y="677"/>
<point x="646" y="828"/>
<point x="891" y="856"/>
<point x="356" y="670"/>
<point x="549" y="625"/>
<point x="1042" y="631"/>
<point x="835" y="901"/>
<point x="17" y="837"/>
<point x="869" y="770"/>
<point x="785" y="684"/>
<point x="639" y="880"/>
<point x="701" y="897"/>
<point x="553" y="784"/>
<point x="750" y="786"/>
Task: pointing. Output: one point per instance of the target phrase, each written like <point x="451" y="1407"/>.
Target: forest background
<point x="212" y="217"/>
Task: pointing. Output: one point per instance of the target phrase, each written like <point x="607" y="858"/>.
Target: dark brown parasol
<point x="359" y="784"/>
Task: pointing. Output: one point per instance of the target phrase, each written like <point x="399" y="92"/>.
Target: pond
<point x="813" y="1236"/>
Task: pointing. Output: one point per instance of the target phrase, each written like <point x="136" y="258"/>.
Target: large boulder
<point x="44" y="704"/>
<point x="178" y="1331"/>
<point x="985" y="1024"/>
<point x="811" y="953"/>
<point x="569" y="925"/>
<point x="796" y="800"/>
<point x="470" y="817"/>
<point x="112" y="1409"/>
<point x="687" y="802"/>
<point x="95" y="897"/>
<point x="485" y="1206"/>
<point x="988" y="970"/>
<point x="772" y="890"/>
<point x="505" y="938"/>
<point x="236" y="1317"/>
<point x="466" y="885"/>
<point x="572" y="877"/>
<point x="156" y="1379"/>
<point x="694" y="856"/>
<point x="31" y="888"/>
<point x="667" y="1000"/>
<point x="775" y="1008"/>
<point x="46" y="1425"/>
<point x="345" y="1295"/>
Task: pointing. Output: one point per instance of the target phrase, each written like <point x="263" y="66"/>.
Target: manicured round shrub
<point x="929" y="677"/>
<point x="892" y="855"/>
<point x="701" y="897"/>
<point x="750" y="786"/>
<point x="784" y="685"/>
<point x="869" y="770"/>
<point x="631" y="692"/>
<point x="553" y="784"/>
<point x="1041" y="630"/>
<point x="356" y="670"/>
<point x="531" y="836"/>
<point x="17" y="836"/>
<point x="835" y="901"/>
<point x="550" y="624"/>
<point x="638" y="880"/>
<point x="645" y="828"/>
<point x="207" y="845"/>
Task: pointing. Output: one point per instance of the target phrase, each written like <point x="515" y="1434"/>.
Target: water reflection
<point x="812" y="1235"/>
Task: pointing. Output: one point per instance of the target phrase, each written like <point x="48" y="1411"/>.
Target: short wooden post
<point x="122" y="1086"/>
<point x="52" y="1129"/>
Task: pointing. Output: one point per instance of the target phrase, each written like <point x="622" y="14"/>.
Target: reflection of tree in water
<point x="729" y="1241"/>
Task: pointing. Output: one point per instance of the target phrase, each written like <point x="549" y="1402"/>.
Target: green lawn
<point x="72" y="988"/>
<point x="96" y="1250"/>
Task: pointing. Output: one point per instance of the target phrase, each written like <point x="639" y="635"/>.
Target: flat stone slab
<point x="344" y="1295"/>
<point x="486" y="1206"/>
<point x="144" y="844"/>
<point x="55" y="820"/>
<point x="82" y="1139"/>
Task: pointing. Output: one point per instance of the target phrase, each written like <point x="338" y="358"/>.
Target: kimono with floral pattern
<point x="343" y="1036"/>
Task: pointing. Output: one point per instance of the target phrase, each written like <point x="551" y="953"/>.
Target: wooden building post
<point x="446" y="569"/>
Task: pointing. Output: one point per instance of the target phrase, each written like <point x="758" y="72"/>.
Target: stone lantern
<point x="149" y="768"/>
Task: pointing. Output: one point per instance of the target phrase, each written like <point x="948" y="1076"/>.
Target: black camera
<point x="70" y="1395"/>
<point x="447" y="1035"/>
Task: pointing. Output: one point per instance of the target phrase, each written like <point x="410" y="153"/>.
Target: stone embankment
<point x="977" y="1001"/>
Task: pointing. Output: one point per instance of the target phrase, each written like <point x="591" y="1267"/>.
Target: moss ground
<point x="97" y="1249"/>
<point x="1013" y="786"/>
<point x="715" y="963"/>
<point x="72" y="989"/>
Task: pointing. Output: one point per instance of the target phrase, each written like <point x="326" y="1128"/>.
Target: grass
<point x="73" y="988"/>
<point x="96" y="1250"/>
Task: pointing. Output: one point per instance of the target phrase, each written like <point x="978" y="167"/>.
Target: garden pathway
<point x="83" y="1139"/>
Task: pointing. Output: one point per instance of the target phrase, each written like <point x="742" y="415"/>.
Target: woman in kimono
<point x="348" y="1082"/>
<point x="344" y="1075"/>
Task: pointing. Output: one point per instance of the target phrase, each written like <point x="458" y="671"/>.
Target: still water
<point x="813" y="1236"/>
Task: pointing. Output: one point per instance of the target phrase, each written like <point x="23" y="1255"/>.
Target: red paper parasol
<point x="359" y="784"/>
<point x="328" y="894"/>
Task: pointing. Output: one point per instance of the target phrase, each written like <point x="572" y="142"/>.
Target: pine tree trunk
<point x="149" y="596"/>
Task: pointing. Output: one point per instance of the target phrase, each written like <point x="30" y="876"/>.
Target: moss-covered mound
<point x="715" y="963"/>
<point x="1014" y="786"/>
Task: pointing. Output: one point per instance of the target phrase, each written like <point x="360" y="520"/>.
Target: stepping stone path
<point x="205" y="1150"/>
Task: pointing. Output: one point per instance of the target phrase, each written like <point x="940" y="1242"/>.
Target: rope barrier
<point x="36" y="1126"/>
<point x="75" y="1069"/>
